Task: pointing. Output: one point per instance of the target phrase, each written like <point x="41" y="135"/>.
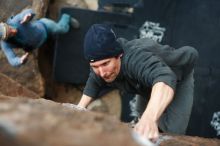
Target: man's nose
<point x="14" y="30"/>
<point x="101" y="72"/>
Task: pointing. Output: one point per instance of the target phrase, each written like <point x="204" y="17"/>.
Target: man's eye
<point x="106" y="63"/>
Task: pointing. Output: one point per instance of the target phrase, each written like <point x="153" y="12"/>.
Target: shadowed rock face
<point x="28" y="75"/>
<point x="12" y="88"/>
<point x="40" y="7"/>
<point x="11" y="7"/>
<point x="39" y="122"/>
<point x="190" y="141"/>
<point x="56" y="5"/>
<point x="45" y="123"/>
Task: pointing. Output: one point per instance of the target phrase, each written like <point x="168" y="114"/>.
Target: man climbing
<point x="161" y="76"/>
<point x="21" y="31"/>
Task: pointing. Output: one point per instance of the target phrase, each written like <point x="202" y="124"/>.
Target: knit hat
<point x="4" y="31"/>
<point x="100" y="43"/>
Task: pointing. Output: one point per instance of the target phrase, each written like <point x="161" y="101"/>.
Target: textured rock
<point x="27" y="75"/>
<point x="10" y="87"/>
<point x="43" y="123"/>
<point x="39" y="122"/>
<point x="92" y="4"/>
<point x="56" y="5"/>
<point x="190" y="141"/>
<point x="40" y="6"/>
<point x="110" y="103"/>
<point x="11" y="7"/>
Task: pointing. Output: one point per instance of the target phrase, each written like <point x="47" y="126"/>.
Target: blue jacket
<point x="30" y="35"/>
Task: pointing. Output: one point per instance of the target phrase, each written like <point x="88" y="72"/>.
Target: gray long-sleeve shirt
<point x="145" y="63"/>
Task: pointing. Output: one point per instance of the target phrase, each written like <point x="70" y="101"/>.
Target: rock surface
<point x="56" y="5"/>
<point x="11" y="7"/>
<point x="45" y="123"/>
<point x="12" y="88"/>
<point x="190" y="141"/>
<point x="39" y="122"/>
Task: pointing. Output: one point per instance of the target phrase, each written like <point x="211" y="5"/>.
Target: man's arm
<point x="183" y="57"/>
<point x="24" y="16"/>
<point x="24" y="58"/>
<point x="91" y="90"/>
<point x="161" y="96"/>
<point x="10" y="55"/>
<point x="85" y="101"/>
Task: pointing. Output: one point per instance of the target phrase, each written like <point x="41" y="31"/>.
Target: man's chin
<point x="109" y="80"/>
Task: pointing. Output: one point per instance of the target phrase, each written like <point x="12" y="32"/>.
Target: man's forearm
<point x="10" y="55"/>
<point x="161" y="96"/>
<point x="85" y="101"/>
<point x="19" y="17"/>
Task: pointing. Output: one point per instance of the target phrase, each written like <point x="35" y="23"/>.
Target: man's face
<point x="107" y="69"/>
<point x="11" y="31"/>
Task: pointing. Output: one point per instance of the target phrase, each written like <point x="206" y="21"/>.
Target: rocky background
<point x="31" y="113"/>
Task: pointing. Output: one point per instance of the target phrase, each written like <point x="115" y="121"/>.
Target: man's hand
<point x="24" y="58"/>
<point x="26" y="18"/>
<point x="85" y="101"/>
<point x="161" y="96"/>
<point x="77" y="107"/>
<point x="147" y="128"/>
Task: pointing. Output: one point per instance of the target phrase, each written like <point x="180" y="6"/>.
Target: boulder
<point x="40" y="7"/>
<point x="27" y="75"/>
<point x="14" y="89"/>
<point x="34" y="122"/>
<point x="42" y="122"/>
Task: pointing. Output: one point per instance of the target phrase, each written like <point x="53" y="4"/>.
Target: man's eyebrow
<point x="100" y="64"/>
<point x="93" y="65"/>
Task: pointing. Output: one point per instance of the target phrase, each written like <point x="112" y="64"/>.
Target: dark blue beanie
<point x="100" y="43"/>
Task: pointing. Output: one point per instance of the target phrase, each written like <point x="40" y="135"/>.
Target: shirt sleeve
<point x="10" y="55"/>
<point x="19" y="17"/>
<point x="93" y="85"/>
<point x="148" y="69"/>
<point x="184" y="56"/>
